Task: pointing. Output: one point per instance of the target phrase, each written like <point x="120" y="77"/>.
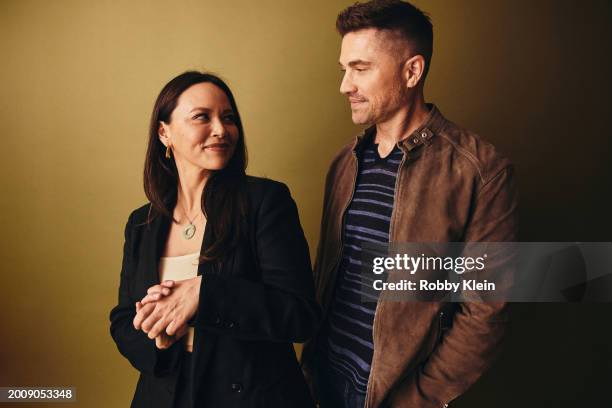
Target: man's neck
<point x="401" y="125"/>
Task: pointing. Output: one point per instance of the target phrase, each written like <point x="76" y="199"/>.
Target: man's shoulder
<point x="472" y="151"/>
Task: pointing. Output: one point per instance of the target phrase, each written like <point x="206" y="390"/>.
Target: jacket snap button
<point x="424" y="134"/>
<point x="230" y="325"/>
<point x="415" y="140"/>
<point x="217" y="320"/>
<point x="236" y="387"/>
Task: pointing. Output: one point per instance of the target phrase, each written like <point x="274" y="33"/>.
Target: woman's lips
<point x="217" y="147"/>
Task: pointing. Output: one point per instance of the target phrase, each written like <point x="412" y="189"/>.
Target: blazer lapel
<point x="202" y="350"/>
<point x="155" y="241"/>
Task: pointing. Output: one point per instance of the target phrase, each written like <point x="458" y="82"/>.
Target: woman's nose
<point x="218" y="128"/>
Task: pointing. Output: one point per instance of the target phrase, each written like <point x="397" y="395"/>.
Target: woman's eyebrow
<point x="200" y="108"/>
<point x="205" y="109"/>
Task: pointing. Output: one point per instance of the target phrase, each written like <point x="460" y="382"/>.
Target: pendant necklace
<point x="190" y="230"/>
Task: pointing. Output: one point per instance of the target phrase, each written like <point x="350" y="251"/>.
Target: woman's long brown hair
<point x="224" y="200"/>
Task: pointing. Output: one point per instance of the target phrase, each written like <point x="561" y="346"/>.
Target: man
<point x="412" y="176"/>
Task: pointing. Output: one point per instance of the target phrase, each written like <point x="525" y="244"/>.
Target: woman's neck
<point x="190" y="189"/>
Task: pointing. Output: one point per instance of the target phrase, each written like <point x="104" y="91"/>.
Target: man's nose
<point x="347" y="86"/>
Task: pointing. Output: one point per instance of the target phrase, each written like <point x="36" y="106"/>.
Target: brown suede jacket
<point x="452" y="186"/>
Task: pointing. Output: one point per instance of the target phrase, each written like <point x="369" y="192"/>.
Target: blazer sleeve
<point x="134" y="344"/>
<point x="281" y="306"/>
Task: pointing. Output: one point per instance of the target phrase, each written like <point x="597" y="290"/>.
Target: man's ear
<point x="163" y="133"/>
<point x="414" y="68"/>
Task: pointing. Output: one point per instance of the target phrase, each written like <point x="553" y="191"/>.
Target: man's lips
<point x="354" y="101"/>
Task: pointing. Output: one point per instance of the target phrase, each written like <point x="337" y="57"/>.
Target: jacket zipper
<point x="368" y="403"/>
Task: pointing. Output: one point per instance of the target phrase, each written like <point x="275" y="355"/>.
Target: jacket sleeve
<point x="473" y="342"/>
<point x="279" y="307"/>
<point x="134" y="344"/>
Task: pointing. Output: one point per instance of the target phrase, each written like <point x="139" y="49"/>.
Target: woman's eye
<point x="230" y="119"/>
<point x="202" y="116"/>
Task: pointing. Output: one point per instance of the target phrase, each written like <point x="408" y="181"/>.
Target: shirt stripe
<point x="349" y="326"/>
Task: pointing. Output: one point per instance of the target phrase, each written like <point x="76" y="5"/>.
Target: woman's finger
<point x="154" y="297"/>
<point x="142" y="314"/>
<point x="164" y="341"/>
<point x="168" y="283"/>
<point x="159" y="288"/>
<point x="154" y="289"/>
<point x="170" y="329"/>
<point x="158" y="327"/>
<point x="161" y="342"/>
<point x="177" y="332"/>
<point x="161" y="312"/>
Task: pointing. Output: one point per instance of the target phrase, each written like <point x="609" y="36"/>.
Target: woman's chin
<point x="214" y="165"/>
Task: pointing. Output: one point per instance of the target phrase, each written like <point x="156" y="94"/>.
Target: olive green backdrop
<point x="78" y="81"/>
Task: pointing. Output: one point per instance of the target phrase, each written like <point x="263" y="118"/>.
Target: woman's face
<point x="202" y="131"/>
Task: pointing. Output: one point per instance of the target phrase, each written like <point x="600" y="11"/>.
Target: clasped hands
<point x="164" y="312"/>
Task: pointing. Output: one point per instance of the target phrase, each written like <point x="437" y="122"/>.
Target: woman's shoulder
<point x="269" y="200"/>
<point x="262" y="186"/>
<point x="139" y="216"/>
<point x="260" y="190"/>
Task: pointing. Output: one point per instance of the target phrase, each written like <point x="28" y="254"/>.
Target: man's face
<point x="373" y="82"/>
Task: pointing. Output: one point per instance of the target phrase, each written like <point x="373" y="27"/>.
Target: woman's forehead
<point x="205" y="95"/>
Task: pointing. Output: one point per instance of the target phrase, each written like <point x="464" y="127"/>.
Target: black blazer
<point x="252" y="308"/>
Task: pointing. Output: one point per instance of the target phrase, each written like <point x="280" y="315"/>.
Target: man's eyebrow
<point x="356" y="62"/>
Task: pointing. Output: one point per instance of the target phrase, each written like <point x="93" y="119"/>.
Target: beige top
<point x="180" y="268"/>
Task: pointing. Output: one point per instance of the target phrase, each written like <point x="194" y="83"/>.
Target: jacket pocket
<point x="445" y="322"/>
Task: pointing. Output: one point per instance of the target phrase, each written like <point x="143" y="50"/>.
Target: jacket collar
<point x="432" y="125"/>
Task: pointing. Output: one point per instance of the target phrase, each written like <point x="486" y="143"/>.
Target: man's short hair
<point x="397" y="16"/>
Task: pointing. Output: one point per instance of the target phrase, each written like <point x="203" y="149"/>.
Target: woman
<point x="229" y="250"/>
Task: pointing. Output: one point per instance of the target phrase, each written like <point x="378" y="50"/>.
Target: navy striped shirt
<point x="349" y="327"/>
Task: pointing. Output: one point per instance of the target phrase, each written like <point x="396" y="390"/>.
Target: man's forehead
<point x="369" y="43"/>
<point x="369" y="39"/>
